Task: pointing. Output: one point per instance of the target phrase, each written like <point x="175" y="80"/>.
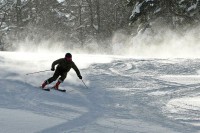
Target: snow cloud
<point x="150" y="44"/>
<point x="163" y="44"/>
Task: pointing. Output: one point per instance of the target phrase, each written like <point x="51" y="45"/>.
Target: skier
<point x="63" y="67"/>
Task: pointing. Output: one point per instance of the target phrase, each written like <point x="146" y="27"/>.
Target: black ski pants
<point x="57" y="73"/>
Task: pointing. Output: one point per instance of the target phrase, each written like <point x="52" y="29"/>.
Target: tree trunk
<point x="169" y="14"/>
<point x="91" y="15"/>
<point x="98" y="21"/>
<point x="19" y="13"/>
<point x="80" y="23"/>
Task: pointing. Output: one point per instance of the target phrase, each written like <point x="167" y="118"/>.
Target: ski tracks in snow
<point x="140" y="90"/>
<point x="125" y="96"/>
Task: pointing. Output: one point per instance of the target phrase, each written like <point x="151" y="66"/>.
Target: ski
<point x="61" y="90"/>
<point x="45" y="89"/>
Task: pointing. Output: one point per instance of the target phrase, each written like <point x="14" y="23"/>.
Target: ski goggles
<point x="68" y="58"/>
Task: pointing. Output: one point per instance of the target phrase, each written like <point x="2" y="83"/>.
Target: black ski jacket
<point x="65" y="65"/>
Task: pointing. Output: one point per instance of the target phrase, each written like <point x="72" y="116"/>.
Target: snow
<point x="192" y="7"/>
<point x="13" y="120"/>
<point x="137" y="8"/>
<point x="60" y="1"/>
<point x="125" y="95"/>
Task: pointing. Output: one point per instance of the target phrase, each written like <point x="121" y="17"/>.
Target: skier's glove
<point x="52" y="69"/>
<point x="80" y="77"/>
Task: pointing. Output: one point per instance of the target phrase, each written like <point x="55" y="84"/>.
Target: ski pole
<point x="84" y="84"/>
<point x="37" y="72"/>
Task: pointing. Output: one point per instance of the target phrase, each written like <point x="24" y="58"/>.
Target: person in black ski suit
<point x="63" y="67"/>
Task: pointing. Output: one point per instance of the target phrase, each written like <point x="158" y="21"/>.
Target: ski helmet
<point x="68" y="55"/>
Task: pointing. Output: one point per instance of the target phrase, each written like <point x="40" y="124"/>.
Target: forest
<point x="77" y="23"/>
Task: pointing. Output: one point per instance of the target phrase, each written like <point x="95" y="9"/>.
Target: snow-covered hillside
<point x="125" y="95"/>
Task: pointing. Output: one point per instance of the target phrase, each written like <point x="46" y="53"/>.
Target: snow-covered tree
<point x="176" y="14"/>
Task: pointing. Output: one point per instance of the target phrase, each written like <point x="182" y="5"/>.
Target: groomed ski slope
<point x="125" y="95"/>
